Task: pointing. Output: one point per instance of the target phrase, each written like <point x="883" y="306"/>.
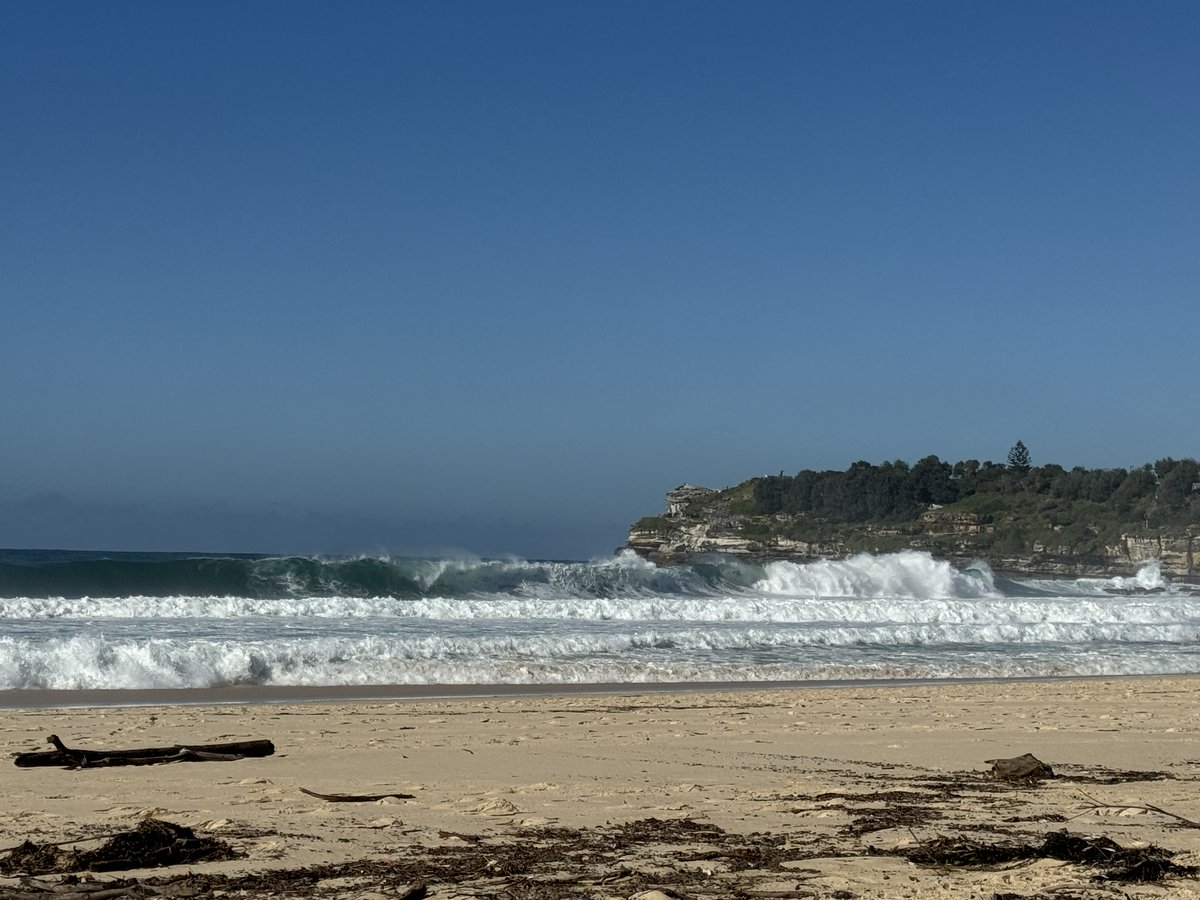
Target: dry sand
<point x="797" y="792"/>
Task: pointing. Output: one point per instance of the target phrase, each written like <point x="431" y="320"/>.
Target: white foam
<point x="909" y="574"/>
<point x="1148" y="578"/>
<point x="902" y="615"/>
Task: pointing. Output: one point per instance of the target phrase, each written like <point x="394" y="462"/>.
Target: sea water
<point x="81" y="621"/>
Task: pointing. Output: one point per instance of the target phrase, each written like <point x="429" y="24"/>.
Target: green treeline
<point x="1155" y="495"/>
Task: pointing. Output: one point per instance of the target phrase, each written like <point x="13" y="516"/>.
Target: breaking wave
<point x="150" y="622"/>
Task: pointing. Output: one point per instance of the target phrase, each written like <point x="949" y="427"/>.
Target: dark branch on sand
<point x="355" y="798"/>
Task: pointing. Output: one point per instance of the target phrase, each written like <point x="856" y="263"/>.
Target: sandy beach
<point x="763" y="792"/>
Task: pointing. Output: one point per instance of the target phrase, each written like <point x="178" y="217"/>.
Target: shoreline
<point x="273" y="695"/>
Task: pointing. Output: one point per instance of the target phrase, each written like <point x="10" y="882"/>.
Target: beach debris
<point x="75" y="758"/>
<point x="1111" y="861"/>
<point x="302" y="882"/>
<point x="153" y="843"/>
<point x="357" y="798"/>
<point x="457" y="835"/>
<point x="1104" y="775"/>
<point x="1023" y="768"/>
<point x="629" y="859"/>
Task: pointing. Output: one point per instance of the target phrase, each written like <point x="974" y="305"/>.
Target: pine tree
<point x="1018" y="457"/>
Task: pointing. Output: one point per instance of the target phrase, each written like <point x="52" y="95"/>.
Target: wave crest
<point x="907" y="575"/>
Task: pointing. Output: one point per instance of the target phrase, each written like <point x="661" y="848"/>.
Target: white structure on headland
<point x="683" y="496"/>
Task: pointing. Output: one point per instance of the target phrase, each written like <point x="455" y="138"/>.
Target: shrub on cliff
<point x="1045" y="499"/>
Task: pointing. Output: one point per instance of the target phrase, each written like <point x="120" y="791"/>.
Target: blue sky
<point x="396" y="277"/>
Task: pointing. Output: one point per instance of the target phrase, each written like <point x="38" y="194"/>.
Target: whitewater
<point x="87" y="621"/>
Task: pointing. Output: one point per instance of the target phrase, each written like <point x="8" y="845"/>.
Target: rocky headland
<point x="1013" y="537"/>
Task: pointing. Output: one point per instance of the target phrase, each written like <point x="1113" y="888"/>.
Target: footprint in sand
<point x="382" y="822"/>
<point x="213" y="825"/>
<point x="147" y="812"/>
<point x="497" y="807"/>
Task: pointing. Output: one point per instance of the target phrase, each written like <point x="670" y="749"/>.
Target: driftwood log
<point x="74" y="758"/>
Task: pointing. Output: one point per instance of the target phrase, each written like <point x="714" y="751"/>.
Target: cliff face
<point x="698" y="522"/>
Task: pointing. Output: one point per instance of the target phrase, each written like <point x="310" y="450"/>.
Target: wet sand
<point x="613" y="792"/>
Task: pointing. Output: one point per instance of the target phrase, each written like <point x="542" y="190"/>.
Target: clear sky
<point x="378" y="276"/>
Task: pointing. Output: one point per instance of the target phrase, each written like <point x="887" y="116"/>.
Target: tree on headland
<point x="1178" y="499"/>
<point x="1017" y="506"/>
<point x="932" y="482"/>
<point x="1018" y="457"/>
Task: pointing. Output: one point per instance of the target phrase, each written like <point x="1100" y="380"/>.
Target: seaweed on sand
<point x="153" y="843"/>
<point x="1112" y="861"/>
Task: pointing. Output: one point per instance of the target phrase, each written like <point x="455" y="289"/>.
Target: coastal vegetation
<point x="993" y="510"/>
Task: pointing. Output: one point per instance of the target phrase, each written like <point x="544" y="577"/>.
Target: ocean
<point x="86" y="621"/>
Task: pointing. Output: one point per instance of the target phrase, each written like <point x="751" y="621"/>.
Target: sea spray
<point x="908" y="574"/>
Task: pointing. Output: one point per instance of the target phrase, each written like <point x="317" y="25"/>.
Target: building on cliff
<point x="680" y="500"/>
